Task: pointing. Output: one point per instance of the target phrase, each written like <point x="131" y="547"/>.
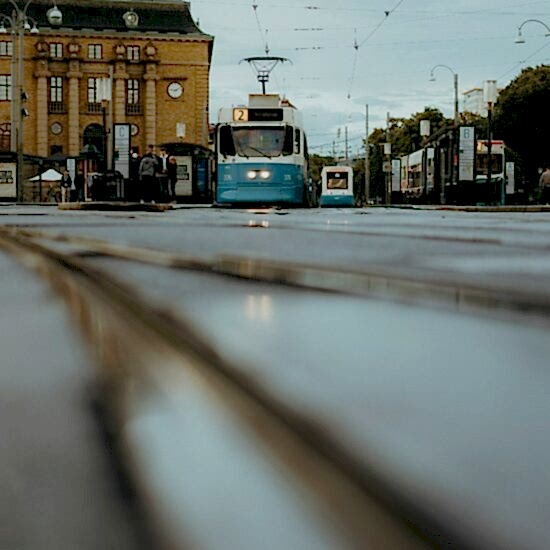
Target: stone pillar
<point x="120" y="77"/>
<point x="150" y="78"/>
<point x="74" y="75"/>
<point x="41" y="75"/>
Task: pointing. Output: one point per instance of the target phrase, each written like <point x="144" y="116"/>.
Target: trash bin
<point x="108" y="186"/>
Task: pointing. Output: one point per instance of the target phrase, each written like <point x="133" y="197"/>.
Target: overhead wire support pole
<point x="367" y="165"/>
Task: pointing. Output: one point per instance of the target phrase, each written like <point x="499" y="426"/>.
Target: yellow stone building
<point x="153" y="54"/>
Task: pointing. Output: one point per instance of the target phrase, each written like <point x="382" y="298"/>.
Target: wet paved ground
<point x="449" y="406"/>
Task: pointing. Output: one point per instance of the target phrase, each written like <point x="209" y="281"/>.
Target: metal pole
<point x="346" y="141"/>
<point x="457" y="116"/>
<point x="489" y="144"/>
<point x="110" y="142"/>
<point x="367" y="165"/>
<point x="19" y="116"/>
<point x="104" y="114"/>
<point x="13" y="87"/>
<point x="388" y="158"/>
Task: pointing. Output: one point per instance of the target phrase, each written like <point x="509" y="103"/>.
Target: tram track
<point x="440" y="289"/>
<point x="154" y="365"/>
<point x="151" y="362"/>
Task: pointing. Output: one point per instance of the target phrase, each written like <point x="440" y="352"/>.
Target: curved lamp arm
<point x="520" y="39"/>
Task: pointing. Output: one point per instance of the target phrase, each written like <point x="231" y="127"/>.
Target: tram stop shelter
<point x="46" y="185"/>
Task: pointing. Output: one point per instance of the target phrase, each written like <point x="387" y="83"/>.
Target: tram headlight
<point x="264" y="174"/>
<point x="251" y="174"/>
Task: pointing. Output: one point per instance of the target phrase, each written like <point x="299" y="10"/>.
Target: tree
<point x="522" y="118"/>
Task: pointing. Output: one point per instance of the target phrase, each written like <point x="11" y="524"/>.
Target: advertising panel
<point x="466" y="147"/>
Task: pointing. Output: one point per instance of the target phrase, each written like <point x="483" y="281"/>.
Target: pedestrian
<point x="148" y="169"/>
<point x="66" y="185"/>
<point x="544" y="183"/>
<point x="172" y="172"/>
<point x="79" y="184"/>
<point x="163" y="175"/>
<point x="134" y="192"/>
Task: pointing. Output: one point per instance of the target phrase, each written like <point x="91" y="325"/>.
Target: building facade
<point x="153" y="56"/>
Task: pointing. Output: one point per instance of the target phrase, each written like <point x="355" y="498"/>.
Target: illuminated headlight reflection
<point x="264" y="174"/>
<point x="251" y="175"/>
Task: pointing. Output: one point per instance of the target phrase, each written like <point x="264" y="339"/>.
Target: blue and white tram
<point x="261" y="152"/>
<point x="337" y="186"/>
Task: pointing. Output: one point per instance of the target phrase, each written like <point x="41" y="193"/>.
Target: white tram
<point x="337" y="186"/>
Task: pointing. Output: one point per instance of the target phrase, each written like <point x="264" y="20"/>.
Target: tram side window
<point x="288" y="146"/>
<point x="227" y="146"/>
<point x="297" y="139"/>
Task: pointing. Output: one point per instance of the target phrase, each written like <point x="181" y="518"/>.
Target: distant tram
<point x="337" y="186"/>
<point x="261" y="153"/>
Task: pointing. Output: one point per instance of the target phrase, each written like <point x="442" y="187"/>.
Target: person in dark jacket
<point x="79" y="184"/>
<point x="66" y="184"/>
<point x="148" y="169"/>
<point x="172" y="171"/>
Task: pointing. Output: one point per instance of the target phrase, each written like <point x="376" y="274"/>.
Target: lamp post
<point x="20" y="22"/>
<point x="104" y="95"/>
<point x="455" y="80"/>
<point x="520" y="40"/>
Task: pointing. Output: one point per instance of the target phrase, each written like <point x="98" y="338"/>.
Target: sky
<point x="346" y="54"/>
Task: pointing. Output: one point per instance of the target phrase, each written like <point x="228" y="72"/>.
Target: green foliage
<point x="522" y="117"/>
<point x="404" y="136"/>
<point x="316" y="164"/>
<point x="480" y="123"/>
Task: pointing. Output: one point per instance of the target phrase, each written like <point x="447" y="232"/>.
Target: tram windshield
<point x="263" y="141"/>
<point x="337" y="180"/>
<point x="482" y="164"/>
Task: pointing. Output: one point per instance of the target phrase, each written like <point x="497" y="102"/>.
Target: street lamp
<point x="520" y="40"/>
<point x="104" y="93"/>
<point x="20" y="22"/>
<point x="455" y="80"/>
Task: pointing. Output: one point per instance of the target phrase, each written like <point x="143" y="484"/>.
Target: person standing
<point x="148" y="169"/>
<point x="163" y="175"/>
<point x="544" y="183"/>
<point x="66" y="184"/>
<point x="134" y="191"/>
<point x="79" y="184"/>
<point x="172" y="171"/>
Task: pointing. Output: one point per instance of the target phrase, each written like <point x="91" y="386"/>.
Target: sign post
<point x="121" y="153"/>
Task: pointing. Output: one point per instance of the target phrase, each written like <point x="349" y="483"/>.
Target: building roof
<point x="158" y="15"/>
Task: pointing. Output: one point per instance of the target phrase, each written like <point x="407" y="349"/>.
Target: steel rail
<point x="439" y="290"/>
<point x="145" y="352"/>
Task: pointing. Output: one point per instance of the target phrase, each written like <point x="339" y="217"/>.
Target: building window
<point x="56" y="95"/>
<point x="56" y="89"/>
<point x="56" y="150"/>
<point x="133" y="106"/>
<point x="95" y="51"/>
<point x="133" y="91"/>
<point x="5" y="87"/>
<point x="93" y="90"/>
<point x="94" y="103"/>
<point x="56" y="50"/>
<point x="132" y="53"/>
<point x="6" y="48"/>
